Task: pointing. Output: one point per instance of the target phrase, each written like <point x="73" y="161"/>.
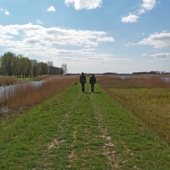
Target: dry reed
<point x="5" y="80"/>
<point x="28" y="96"/>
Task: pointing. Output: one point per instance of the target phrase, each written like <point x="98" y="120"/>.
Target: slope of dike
<point x="80" y="131"/>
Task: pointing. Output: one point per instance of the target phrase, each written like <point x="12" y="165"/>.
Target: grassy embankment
<point x="72" y="130"/>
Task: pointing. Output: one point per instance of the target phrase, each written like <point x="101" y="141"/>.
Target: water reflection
<point x="166" y="78"/>
<point x="6" y="90"/>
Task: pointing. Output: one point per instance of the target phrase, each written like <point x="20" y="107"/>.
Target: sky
<point x="91" y="36"/>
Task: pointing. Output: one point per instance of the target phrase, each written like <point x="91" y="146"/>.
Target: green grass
<point x="74" y="130"/>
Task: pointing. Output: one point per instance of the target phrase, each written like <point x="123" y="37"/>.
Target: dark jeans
<point x="92" y="87"/>
<point x="83" y="87"/>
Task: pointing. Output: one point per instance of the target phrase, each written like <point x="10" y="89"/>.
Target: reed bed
<point x="28" y="96"/>
<point x="147" y="98"/>
<point x="6" y="80"/>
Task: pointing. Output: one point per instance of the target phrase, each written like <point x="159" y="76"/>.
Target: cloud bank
<point x="161" y="56"/>
<point x="157" y="40"/>
<point x="52" y="43"/>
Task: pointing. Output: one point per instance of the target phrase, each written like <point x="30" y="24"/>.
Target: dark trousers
<point x="92" y="87"/>
<point x="83" y="87"/>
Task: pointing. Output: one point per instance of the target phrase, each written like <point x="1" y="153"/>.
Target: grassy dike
<point x="74" y="130"/>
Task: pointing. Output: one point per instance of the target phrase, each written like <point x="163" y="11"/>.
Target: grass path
<point x="75" y="130"/>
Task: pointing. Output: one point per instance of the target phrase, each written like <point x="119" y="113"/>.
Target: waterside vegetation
<point x="26" y="96"/>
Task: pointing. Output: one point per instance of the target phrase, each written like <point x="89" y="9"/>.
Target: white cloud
<point x="4" y="11"/>
<point x="145" y="6"/>
<point x="51" y="9"/>
<point x="148" y="4"/>
<point x="129" y="44"/>
<point x="161" y="56"/>
<point x="144" y="54"/>
<point x="38" y="41"/>
<point x="39" y="22"/>
<point x="130" y="18"/>
<point x="84" y="4"/>
<point x="105" y="39"/>
<point x="157" y="40"/>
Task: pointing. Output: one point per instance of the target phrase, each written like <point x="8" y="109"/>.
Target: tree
<point x="24" y="65"/>
<point x="29" y="72"/>
<point x="20" y="66"/>
<point x="16" y="69"/>
<point x="64" y="67"/>
<point x="50" y="63"/>
<point x="35" y="68"/>
<point x="55" y="70"/>
<point x="7" y="63"/>
<point x="44" y="69"/>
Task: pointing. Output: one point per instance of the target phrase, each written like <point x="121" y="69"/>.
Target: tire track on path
<point x="57" y="141"/>
<point x="108" y="148"/>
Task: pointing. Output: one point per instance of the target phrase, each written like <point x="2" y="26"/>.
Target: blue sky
<point x="121" y="36"/>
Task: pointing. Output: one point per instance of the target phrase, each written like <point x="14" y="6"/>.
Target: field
<point x="74" y="130"/>
<point x="147" y="98"/>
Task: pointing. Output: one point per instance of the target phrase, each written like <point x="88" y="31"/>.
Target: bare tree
<point x="64" y="67"/>
<point x="50" y="63"/>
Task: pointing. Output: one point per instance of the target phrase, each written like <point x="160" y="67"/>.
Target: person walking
<point x="83" y="82"/>
<point x="92" y="82"/>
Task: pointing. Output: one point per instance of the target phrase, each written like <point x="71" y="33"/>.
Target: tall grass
<point x="147" y="98"/>
<point x="27" y="96"/>
<point x="151" y="81"/>
<point x="5" y="80"/>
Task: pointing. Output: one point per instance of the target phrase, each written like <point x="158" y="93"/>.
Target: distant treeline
<point x="20" y="66"/>
<point x="151" y="72"/>
<point x="144" y="72"/>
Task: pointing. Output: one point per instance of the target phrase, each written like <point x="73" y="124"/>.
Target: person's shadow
<point x="92" y="92"/>
<point x="97" y="92"/>
<point x="87" y="92"/>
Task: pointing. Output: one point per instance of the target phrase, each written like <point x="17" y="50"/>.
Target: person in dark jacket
<point x="92" y="82"/>
<point x="83" y="81"/>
